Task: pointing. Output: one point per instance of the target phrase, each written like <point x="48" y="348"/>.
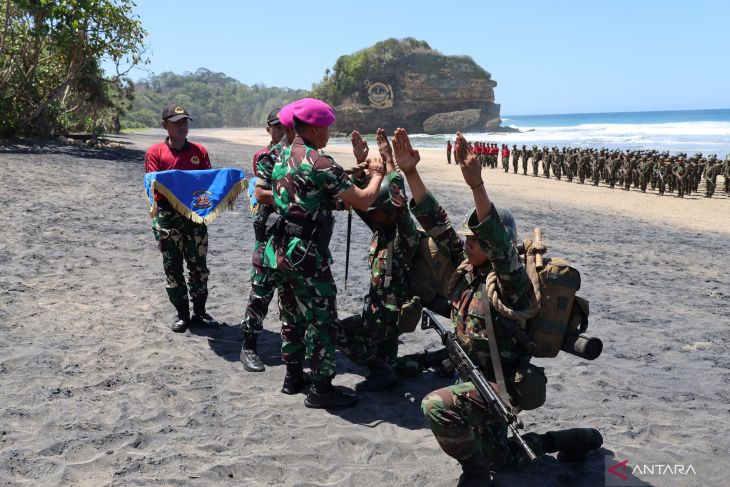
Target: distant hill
<point x="213" y="100"/>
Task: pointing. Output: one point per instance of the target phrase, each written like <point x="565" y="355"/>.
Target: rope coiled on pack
<point x="521" y="316"/>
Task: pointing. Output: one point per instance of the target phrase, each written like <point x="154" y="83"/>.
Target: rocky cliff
<point x="405" y="83"/>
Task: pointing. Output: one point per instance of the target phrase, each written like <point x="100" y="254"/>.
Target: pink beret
<point x="286" y="116"/>
<point x="313" y="112"/>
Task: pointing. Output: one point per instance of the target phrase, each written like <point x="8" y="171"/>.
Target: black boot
<point x="200" y="317"/>
<point x="323" y="396"/>
<point x="182" y="319"/>
<point x="249" y="356"/>
<point x="381" y="377"/>
<point x="475" y="472"/>
<point x="572" y="444"/>
<point x="295" y="379"/>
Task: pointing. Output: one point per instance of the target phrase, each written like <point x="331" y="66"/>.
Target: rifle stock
<point x="469" y="371"/>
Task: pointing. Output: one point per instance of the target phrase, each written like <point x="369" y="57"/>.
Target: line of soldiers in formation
<point x="641" y="168"/>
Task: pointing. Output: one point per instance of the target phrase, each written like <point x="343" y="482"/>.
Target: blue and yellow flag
<point x="198" y="195"/>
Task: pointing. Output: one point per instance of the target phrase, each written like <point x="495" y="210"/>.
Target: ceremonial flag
<point x="198" y="195"/>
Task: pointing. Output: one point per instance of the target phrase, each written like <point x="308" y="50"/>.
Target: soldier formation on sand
<point x="643" y="169"/>
<point x="505" y="300"/>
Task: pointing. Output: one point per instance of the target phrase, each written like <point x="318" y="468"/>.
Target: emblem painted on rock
<point x="201" y="199"/>
<point x="380" y="95"/>
<point x="195" y="160"/>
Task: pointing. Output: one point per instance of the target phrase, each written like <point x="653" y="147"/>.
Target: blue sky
<point x="547" y="57"/>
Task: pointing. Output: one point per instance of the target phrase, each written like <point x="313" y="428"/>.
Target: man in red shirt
<point x="180" y="239"/>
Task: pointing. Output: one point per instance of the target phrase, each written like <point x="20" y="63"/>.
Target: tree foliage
<point x="351" y="70"/>
<point x="50" y="55"/>
<point x="213" y="100"/>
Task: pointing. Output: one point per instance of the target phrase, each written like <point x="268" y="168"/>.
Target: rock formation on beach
<point x="406" y="83"/>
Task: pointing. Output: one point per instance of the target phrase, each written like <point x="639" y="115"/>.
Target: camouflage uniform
<point x="263" y="284"/>
<point x="181" y="239"/>
<point x="536" y="158"/>
<point x="710" y="179"/>
<point x="680" y="174"/>
<point x="305" y="186"/>
<point x="375" y="330"/>
<point x="458" y="415"/>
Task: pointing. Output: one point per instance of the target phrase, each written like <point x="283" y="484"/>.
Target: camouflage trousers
<point x="308" y="311"/>
<point x="262" y="290"/>
<point x="180" y="239"/>
<point x="463" y="426"/>
<point x="372" y="333"/>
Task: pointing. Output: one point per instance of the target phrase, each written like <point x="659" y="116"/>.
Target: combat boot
<point x="381" y="377"/>
<point x="572" y="444"/>
<point x="200" y="317"/>
<point x="475" y="472"/>
<point x="182" y="319"/>
<point x="295" y="379"/>
<point x="249" y="356"/>
<point x="323" y="395"/>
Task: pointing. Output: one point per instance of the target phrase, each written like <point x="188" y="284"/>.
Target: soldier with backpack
<point x="490" y="275"/>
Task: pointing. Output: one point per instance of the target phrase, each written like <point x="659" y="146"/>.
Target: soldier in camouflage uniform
<point x="537" y="156"/>
<point x="710" y="178"/>
<point x="458" y="415"/>
<point x="280" y="126"/>
<point x="180" y="239"/>
<point x="680" y="174"/>
<point x="558" y="165"/>
<point x="660" y="170"/>
<point x="306" y="185"/>
<point x="371" y="338"/>
<point x="615" y="165"/>
<point x="644" y="173"/>
<point x="547" y="161"/>
<point x="523" y="156"/>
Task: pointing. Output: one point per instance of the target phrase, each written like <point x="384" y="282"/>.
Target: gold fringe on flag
<point x="226" y="202"/>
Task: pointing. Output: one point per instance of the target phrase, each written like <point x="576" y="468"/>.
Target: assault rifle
<point x="469" y="371"/>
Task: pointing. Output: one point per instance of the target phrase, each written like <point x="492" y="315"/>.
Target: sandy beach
<point x="95" y="390"/>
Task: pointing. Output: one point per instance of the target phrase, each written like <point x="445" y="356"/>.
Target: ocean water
<point x="690" y="131"/>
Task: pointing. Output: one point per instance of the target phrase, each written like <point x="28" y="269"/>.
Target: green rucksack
<point x="562" y="313"/>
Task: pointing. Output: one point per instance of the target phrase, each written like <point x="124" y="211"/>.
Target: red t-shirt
<point x="505" y="152"/>
<point x="256" y="159"/>
<point x="162" y="157"/>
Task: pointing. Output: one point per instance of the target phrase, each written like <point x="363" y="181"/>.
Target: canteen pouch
<point x="410" y="315"/>
<point x="526" y="387"/>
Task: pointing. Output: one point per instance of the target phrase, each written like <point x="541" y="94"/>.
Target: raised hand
<point x="471" y="169"/>
<point x="375" y="166"/>
<point x="406" y="157"/>
<point x="359" y="147"/>
<point x="386" y="151"/>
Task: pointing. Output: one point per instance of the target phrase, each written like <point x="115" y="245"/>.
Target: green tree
<point x="50" y="54"/>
